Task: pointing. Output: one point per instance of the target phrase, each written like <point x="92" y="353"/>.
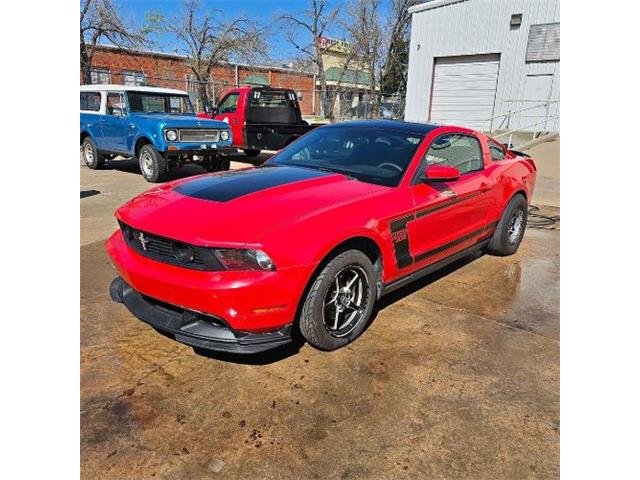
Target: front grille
<point x="198" y="135"/>
<point x="166" y="250"/>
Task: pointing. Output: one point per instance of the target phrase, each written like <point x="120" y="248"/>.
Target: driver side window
<point x="229" y="104"/>
<point x="115" y="104"/>
<point x="454" y="150"/>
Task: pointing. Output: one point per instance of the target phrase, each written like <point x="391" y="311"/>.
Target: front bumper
<point x="247" y="301"/>
<point x="193" y="148"/>
<point x="193" y="328"/>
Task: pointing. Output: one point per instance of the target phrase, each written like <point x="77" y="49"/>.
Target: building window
<point x="544" y="43"/>
<point x="100" y="76"/>
<point x="133" y="78"/>
<point x="191" y="84"/>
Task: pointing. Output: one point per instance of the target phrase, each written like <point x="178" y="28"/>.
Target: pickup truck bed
<point x="261" y="118"/>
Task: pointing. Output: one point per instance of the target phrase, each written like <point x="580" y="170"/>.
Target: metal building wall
<point x="470" y="27"/>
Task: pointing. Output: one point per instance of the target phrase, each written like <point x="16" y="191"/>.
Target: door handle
<point x="132" y="125"/>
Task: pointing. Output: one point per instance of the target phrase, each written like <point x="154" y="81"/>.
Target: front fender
<point x="158" y="145"/>
<point x="345" y="236"/>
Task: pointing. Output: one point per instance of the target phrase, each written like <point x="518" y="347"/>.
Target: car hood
<point x="241" y="206"/>
<point x="182" y="121"/>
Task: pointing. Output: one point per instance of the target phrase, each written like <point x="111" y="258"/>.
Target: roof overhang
<point x="433" y="4"/>
<point x="131" y="88"/>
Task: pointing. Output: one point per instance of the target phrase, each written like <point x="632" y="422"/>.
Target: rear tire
<point x="154" y="167"/>
<point x="339" y="303"/>
<point x="251" y="153"/>
<point x="91" y="156"/>
<point x="510" y="230"/>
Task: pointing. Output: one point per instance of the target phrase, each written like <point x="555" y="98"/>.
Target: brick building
<point x="117" y="66"/>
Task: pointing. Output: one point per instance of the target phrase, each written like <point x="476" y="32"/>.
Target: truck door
<point x="228" y="111"/>
<point x="115" y="125"/>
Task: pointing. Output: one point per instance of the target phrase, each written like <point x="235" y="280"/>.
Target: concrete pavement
<point x="457" y="377"/>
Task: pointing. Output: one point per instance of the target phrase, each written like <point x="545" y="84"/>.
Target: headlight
<point x="241" y="259"/>
<point x="172" y="135"/>
<point x="224" y="135"/>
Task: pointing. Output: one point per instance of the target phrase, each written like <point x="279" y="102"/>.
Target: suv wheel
<point x="510" y="230"/>
<point x="154" y="167"/>
<point x="90" y="154"/>
<point x="339" y="304"/>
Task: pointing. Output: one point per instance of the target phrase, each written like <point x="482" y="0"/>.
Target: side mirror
<point x="118" y="111"/>
<point x="440" y="173"/>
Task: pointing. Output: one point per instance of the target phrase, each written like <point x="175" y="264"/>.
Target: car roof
<point x="130" y="88"/>
<point x="411" y="127"/>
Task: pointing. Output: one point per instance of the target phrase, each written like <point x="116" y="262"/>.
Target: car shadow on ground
<point x="132" y="166"/>
<point x="280" y="353"/>
<point x="88" y="193"/>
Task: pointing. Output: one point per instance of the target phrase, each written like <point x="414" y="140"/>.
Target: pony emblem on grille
<point x="143" y="241"/>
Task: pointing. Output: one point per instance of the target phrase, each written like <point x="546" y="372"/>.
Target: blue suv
<point x="158" y="126"/>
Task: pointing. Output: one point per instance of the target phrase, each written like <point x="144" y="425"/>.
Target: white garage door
<point x="464" y="90"/>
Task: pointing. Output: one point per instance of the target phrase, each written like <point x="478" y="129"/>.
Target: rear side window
<point x="497" y="152"/>
<point x="460" y="151"/>
<point x="90" y="101"/>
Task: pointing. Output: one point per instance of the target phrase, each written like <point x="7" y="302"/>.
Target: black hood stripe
<point x="236" y="183"/>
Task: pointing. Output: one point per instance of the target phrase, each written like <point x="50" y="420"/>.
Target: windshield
<point x="151" y="102"/>
<point x="369" y="154"/>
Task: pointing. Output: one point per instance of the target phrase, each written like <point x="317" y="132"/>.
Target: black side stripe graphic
<point x="488" y="229"/>
<point x="400" y="232"/>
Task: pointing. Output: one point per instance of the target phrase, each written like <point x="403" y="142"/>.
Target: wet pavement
<point x="456" y="377"/>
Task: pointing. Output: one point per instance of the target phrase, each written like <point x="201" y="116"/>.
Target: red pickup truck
<point x="261" y="118"/>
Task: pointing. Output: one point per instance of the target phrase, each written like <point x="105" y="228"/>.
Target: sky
<point x="264" y="11"/>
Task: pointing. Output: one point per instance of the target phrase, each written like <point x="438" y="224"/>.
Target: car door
<point x="229" y="111"/>
<point x="450" y="216"/>
<point x="114" y="124"/>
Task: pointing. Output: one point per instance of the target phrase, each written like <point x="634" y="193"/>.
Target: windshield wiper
<point x="316" y="167"/>
<point x="335" y="170"/>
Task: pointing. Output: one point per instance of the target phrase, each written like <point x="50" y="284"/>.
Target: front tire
<point x="91" y="156"/>
<point x="340" y="301"/>
<point x="154" y="167"/>
<point x="510" y="230"/>
<point x="251" y="153"/>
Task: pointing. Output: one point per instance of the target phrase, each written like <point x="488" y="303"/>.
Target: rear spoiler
<point x="520" y="154"/>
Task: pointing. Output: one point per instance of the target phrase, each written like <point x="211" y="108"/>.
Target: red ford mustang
<point x="235" y="261"/>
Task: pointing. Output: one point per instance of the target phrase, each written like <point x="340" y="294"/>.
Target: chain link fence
<point x="340" y="104"/>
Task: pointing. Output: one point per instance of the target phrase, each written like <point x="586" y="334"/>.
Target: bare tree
<point x="394" y="68"/>
<point x="365" y="34"/>
<point x="99" y="20"/>
<point x="209" y="40"/>
<point x="312" y="22"/>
